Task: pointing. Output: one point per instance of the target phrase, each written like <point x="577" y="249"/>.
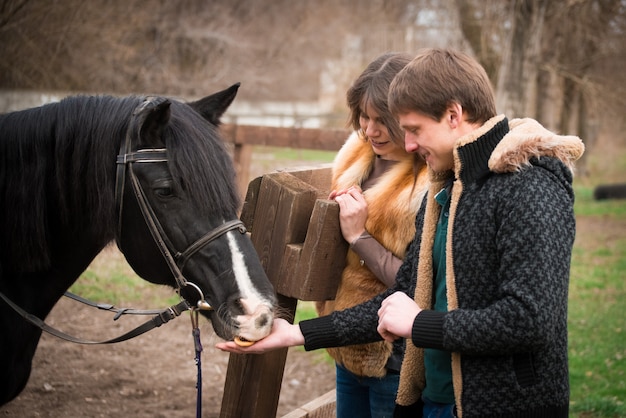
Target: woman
<point x="379" y="188"/>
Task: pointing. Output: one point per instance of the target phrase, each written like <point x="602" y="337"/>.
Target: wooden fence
<point x="245" y="137"/>
<point x="296" y="233"/>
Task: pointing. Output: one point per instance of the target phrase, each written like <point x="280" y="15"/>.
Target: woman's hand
<point x="336" y="193"/>
<point x="283" y="335"/>
<point x="396" y="316"/>
<point x="352" y="212"/>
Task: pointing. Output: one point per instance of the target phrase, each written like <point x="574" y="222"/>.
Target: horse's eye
<point x="163" y="188"/>
<point x="163" y="191"/>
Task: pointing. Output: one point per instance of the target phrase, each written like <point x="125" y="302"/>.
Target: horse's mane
<point x="194" y="146"/>
<point x="60" y="159"/>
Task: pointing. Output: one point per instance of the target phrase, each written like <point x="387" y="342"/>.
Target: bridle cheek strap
<point x="125" y="163"/>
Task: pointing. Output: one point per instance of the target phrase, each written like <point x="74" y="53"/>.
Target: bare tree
<point x="516" y="86"/>
<point x="276" y="48"/>
<point x="554" y="61"/>
<point x="505" y="37"/>
<point x="179" y="48"/>
<point x="483" y="25"/>
<point x="583" y="33"/>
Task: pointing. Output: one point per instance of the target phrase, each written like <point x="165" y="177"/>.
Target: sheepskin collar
<point x="503" y="146"/>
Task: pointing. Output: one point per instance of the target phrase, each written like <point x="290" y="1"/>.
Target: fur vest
<point x="392" y="203"/>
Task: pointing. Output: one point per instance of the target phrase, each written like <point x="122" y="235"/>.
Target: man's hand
<point x="283" y="335"/>
<point x="396" y="316"/>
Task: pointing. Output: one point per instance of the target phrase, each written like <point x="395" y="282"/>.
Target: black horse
<point x="152" y="174"/>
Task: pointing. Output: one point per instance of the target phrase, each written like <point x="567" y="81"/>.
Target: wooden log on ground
<point x="322" y="407"/>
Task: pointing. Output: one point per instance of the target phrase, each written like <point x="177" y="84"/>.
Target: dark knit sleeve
<point x="356" y="325"/>
<point x="428" y="329"/>
<point x="319" y="333"/>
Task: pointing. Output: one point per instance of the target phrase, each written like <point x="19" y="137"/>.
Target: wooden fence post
<point x="242" y="158"/>
<point x="297" y="237"/>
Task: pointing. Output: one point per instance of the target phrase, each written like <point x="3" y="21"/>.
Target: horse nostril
<point x="239" y="307"/>
<point x="262" y="321"/>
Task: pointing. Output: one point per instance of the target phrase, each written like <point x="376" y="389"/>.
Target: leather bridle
<point x="176" y="260"/>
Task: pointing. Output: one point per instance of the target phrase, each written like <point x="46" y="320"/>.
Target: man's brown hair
<point x="436" y="78"/>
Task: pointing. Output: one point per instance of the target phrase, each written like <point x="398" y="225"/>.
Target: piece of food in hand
<point x="242" y="342"/>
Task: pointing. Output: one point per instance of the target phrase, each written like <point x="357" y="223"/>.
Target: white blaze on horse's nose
<point x="253" y="299"/>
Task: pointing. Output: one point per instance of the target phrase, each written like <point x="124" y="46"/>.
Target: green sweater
<point x="438" y="362"/>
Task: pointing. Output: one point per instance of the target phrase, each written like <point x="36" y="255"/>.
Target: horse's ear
<point x="213" y="107"/>
<point x="151" y="117"/>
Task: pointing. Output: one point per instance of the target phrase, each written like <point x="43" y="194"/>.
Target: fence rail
<point x="245" y="137"/>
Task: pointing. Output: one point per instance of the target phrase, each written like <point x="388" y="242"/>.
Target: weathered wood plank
<point x="299" y="243"/>
<point x="321" y="259"/>
<point x="282" y="215"/>
<point x="307" y="261"/>
<point x="287" y="278"/>
<point x="321" y="407"/>
<point x="249" y="203"/>
<point x="242" y="156"/>
<point x="318" y="176"/>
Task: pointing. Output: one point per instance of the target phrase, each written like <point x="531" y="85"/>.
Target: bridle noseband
<point x="176" y="260"/>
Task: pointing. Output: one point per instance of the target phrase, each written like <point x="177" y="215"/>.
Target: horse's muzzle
<point x="256" y="322"/>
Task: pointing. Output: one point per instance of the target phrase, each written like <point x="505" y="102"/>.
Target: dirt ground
<point x="153" y="375"/>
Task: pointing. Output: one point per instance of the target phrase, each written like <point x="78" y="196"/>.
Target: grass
<point x="597" y="312"/>
<point x="110" y="279"/>
<point x="586" y="206"/>
<point x="267" y="159"/>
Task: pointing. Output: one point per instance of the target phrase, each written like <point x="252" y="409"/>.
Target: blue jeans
<point x="365" y="397"/>
<point x="438" y="410"/>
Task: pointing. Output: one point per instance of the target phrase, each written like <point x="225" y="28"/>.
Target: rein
<point x="160" y="317"/>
